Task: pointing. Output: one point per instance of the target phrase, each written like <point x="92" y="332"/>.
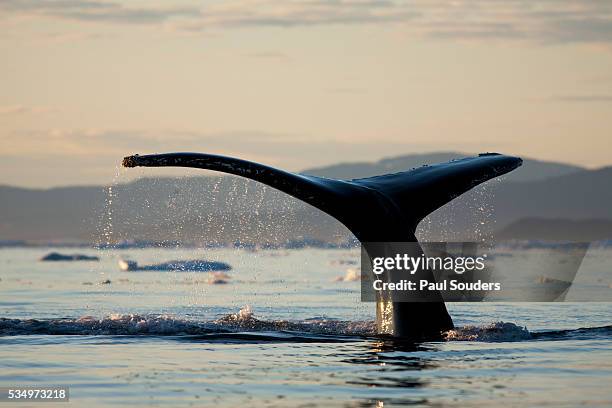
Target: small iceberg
<point x="186" y="266"/>
<point x="56" y="256"/>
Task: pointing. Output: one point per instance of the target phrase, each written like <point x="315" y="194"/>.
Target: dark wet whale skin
<point x="384" y="208"/>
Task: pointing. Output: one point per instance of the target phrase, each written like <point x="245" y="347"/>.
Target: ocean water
<point x="281" y="332"/>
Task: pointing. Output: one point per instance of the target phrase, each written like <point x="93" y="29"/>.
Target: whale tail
<point x="381" y="208"/>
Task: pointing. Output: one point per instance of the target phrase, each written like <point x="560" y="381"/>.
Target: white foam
<point x="241" y="321"/>
<point x="498" y="331"/>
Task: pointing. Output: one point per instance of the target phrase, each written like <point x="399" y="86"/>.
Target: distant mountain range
<point x="563" y="198"/>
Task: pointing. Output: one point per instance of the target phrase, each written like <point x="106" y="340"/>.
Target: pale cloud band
<point x="54" y="155"/>
<point x="554" y="22"/>
<point x="583" y="98"/>
<point x="21" y="109"/>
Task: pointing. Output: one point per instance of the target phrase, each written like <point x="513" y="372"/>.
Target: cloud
<point x="118" y="142"/>
<point x="20" y="109"/>
<point x="543" y="21"/>
<point x="93" y="10"/>
<point x="78" y="156"/>
<point x="270" y="55"/>
<point x="68" y="37"/>
<point x="583" y="98"/>
<point x="291" y="151"/>
<point x="349" y="91"/>
<point x="12" y="110"/>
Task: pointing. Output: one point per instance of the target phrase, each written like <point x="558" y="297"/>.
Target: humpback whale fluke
<point x="383" y="208"/>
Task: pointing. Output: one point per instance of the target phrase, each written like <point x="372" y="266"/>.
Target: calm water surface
<point x="171" y="338"/>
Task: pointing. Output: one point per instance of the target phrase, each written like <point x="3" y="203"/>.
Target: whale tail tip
<point x="129" y="161"/>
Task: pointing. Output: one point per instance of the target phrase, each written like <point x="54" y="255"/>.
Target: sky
<point x="298" y="84"/>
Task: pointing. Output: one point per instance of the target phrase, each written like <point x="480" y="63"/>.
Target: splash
<point x="466" y="218"/>
<point x="494" y="332"/>
<point x="167" y="325"/>
<point x="107" y="217"/>
<point x="129" y="324"/>
<point x="244" y="326"/>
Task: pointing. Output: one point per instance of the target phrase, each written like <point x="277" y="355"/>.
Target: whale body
<point x="384" y="208"/>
